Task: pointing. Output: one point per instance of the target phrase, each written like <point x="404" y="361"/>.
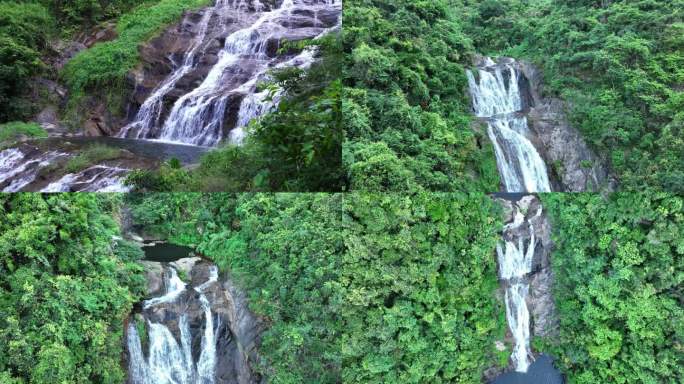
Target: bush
<point x="105" y="65"/>
<point x="13" y="131"/>
<point x="618" y="265"/>
<point x="64" y="291"/>
<point x="91" y="156"/>
<point x="24" y="29"/>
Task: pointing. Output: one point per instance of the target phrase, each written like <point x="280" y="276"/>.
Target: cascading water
<point x="17" y="171"/>
<point x="169" y="361"/>
<point x="150" y="112"/>
<point x="515" y="264"/>
<point x="94" y="179"/>
<point x="199" y="116"/>
<point x="498" y="100"/>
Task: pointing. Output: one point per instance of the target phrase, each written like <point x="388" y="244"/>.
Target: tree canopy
<point x="619" y="267"/>
<point x="66" y="286"/>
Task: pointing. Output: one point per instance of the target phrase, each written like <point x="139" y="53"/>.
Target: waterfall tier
<point x="515" y="257"/>
<point x="211" y="94"/>
<point x="197" y="330"/>
<point x="498" y="97"/>
<point x="171" y="361"/>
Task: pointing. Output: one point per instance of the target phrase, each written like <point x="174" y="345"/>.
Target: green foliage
<point x="163" y="179"/>
<point x="418" y="278"/>
<point x="619" y="267"/>
<point x="84" y="13"/>
<point x="104" y="66"/>
<point x="12" y="131"/>
<point x="406" y="115"/>
<point x="90" y="156"/>
<point x="619" y="64"/>
<point x="65" y="289"/>
<point x="24" y="29"/>
<point x="355" y="288"/>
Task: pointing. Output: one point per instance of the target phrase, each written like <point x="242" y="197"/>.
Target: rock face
<point x="568" y="156"/>
<point x="224" y="49"/>
<point x="237" y="329"/>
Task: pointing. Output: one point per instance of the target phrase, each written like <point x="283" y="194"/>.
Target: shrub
<point x="90" y="156"/>
<point x="13" y="131"/>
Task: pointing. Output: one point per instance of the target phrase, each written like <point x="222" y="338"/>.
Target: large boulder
<point x="154" y="275"/>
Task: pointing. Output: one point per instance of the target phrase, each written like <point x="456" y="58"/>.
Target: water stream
<point x="497" y="99"/>
<point x="170" y="360"/>
<point x="98" y="178"/>
<point x="515" y="256"/>
<point x="17" y="170"/>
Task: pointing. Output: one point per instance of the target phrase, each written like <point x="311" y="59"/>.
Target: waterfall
<point x="150" y="112"/>
<point x="198" y="117"/>
<point x="498" y="100"/>
<point x="515" y="263"/>
<point x="168" y="360"/>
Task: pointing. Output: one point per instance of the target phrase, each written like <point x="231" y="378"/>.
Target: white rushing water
<point x="98" y="178"/>
<point x="17" y="171"/>
<point x="497" y="98"/>
<point x="197" y="117"/>
<point x="170" y="361"/>
<point x="515" y="263"/>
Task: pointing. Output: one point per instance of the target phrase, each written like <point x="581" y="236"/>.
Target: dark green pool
<point x="166" y="252"/>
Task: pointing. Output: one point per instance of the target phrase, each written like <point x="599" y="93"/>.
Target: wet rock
<point x="542" y="307"/>
<point x="232" y="113"/>
<point x="154" y="275"/>
<point x="574" y="164"/>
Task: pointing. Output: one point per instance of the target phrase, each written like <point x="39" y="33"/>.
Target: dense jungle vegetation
<point x="406" y="112"/>
<point x="619" y="65"/>
<point x="66" y="286"/>
<point x="403" y="293"/>
<point x="619" y="267"/>
<point x="419" y="279"/>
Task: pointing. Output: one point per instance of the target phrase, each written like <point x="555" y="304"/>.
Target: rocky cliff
<point x="574" y="165"/>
